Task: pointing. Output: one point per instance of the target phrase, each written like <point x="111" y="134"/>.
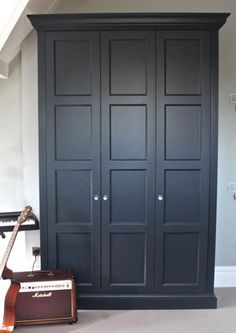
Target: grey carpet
<point x="222" y="320"/>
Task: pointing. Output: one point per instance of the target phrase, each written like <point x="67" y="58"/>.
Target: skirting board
<point x="225" y="276"/>
<point x="148" y="301"/>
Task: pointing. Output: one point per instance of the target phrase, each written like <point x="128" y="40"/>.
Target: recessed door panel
<point x="128" y="132"/>
<point x="74" y="251"/>
<point x="183" y="66"/>
<point x="128" y="66"/>
<point x="127" y="259"/>
<point x="183" y="132"/>
<point x="181" y="266"/>
<point x="74" y="196"/>
<point x="128" y="196"/>
<point x="73" y="132"/>
<point x="182" y="196"/>
<point x="72" y="67"/>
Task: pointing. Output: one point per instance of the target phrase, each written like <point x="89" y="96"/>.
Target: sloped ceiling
<point x="14" y="26"/>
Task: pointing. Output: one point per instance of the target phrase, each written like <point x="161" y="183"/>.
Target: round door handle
<point x="160" y="197"/>
<point x="96" y="197"/>
<point x="105" y="197"/>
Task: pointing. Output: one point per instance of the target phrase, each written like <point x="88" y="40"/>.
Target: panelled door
<point x="73" y="154"/>
<point x="126" y="201"/>
<point x="183" y="158"/>
<point x="128" y="160"/>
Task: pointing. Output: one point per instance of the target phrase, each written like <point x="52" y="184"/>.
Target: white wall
<point x="78" y="6"/>
<point x="18" y="149"/>
<point x="23" y="146"/>
<point x="226" y="207"/>
<point x="29" y="102"/>
<point x="11" y="165"/>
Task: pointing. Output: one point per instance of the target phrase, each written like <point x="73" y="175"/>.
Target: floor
<point x="222" y="320"/>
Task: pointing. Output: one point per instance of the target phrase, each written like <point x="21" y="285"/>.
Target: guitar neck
<point x="8" y="249"/>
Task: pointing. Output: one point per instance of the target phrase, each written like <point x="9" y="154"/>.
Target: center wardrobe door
<point x="128" y="160"/>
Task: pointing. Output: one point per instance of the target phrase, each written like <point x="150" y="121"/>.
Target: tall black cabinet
<point x="128" y="153"/>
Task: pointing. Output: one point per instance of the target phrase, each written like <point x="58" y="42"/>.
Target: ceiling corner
<point x="18" y="27"/>
<point x="4" y="70"/>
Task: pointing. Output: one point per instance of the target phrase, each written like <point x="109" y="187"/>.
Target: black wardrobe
<point x="128" y="155"/>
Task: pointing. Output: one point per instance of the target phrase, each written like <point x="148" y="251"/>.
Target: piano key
<point x="9" y="223"/>
<point x="9" y="219"/>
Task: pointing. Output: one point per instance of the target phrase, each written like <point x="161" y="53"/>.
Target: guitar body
<point x="4" y="287"/>
<point x="8" y="294"/>
<point x="8" y="288"/>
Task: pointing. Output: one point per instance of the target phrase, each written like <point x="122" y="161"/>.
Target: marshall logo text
<point x="40" y="294"/>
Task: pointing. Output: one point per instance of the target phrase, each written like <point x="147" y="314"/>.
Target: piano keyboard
<point x="8" y="221"/>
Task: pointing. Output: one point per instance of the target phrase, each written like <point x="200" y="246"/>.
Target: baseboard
<point x="148" y="301"/>
<point x="225" y="276"/>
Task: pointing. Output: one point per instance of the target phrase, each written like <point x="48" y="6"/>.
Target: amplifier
<point x="46" y="297"/>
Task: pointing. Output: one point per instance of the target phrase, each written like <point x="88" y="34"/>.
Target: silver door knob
<point x="105" y="197"/>
<point x="96" y="197"/>
<point x="160" y="197"/>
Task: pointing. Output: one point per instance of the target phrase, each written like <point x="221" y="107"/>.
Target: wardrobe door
<point x="73" y="154"/>
<point x="183" y="152"/>
<point x="128" y="162"/>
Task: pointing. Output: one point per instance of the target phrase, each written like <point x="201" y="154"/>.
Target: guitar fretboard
<point x="21" y="219"/>
<point x="8" y="249"/>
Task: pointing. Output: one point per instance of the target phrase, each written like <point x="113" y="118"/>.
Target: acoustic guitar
<point x="8" y="288"/>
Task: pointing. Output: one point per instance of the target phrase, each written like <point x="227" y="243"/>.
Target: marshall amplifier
<point x="46" y="297"/>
